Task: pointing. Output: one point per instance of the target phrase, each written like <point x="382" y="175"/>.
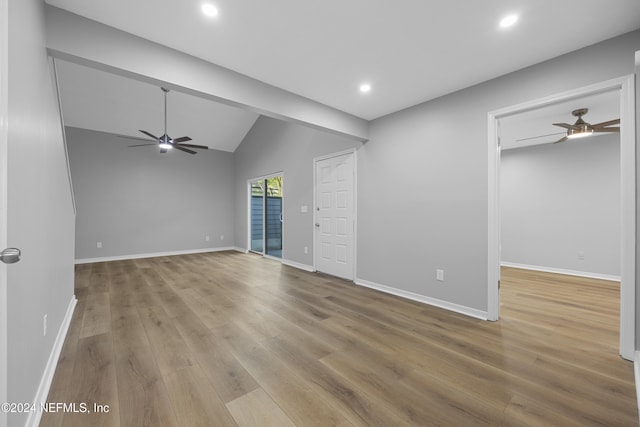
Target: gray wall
<point x="40" y="211"/>
<point x="137" y="201"/>
<point x="424" y="170"/>
<point x="559" y="200"/>
<point x="277" y="146"/>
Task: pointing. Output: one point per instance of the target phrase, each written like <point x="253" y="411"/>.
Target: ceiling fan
<point x="581" y="128"/>
<point x="165" y="142"/>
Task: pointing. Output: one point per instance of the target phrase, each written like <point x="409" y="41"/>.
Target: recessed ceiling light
<point x="209" y="10"/>
<point x="508" y="21"/>
<point x="365" y="88"/>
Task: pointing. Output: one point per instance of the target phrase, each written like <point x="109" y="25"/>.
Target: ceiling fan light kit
<point x="165" y="142"/>
<point x="582" y="132"/>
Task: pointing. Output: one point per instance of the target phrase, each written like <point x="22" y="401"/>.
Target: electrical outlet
<point x="44" y="326"/>
<point x="306" y="249"/>
<point x="440" y="275"/>
<point x="99" y="245"/>
<point x="206" y="238"/>
<point x="222" y="237"/>
<point x="581" y="256"/>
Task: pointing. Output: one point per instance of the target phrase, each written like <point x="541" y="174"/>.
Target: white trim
<point x="56" y="85"/>
<point x="351" y="151"/>
<point x="298" y="265"/>
<point x="577" y="273"/>
<point x="4" y="118"/>
<point x="248" y="223"/>
<point x="50" y="369"/>
<point x="468" y="311"/>
<point x="156" y="254"/>
<point x="332" y="155"/>
<point x="494" y="239"/>
<point x="626" y="86"/>
<point x="636" y="373"/>
<point x="355" y="213"/>
<point x="628" y="228"/>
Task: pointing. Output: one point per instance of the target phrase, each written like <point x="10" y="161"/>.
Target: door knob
<point x="10" y="255"/>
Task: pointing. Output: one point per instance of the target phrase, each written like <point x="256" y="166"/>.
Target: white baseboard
<point x="50" y="368"/>
<point x="157" y="254"/>
<point x="636" y="371"/>
<point x="561" y="271"/>
<point x="298" y="265"/>
<point x="468" y="311"/>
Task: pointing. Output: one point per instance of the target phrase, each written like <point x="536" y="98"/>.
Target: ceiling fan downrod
<point x="166" y="135"/>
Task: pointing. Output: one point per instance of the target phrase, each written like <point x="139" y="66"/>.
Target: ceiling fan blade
<point x="142" y="145"/>
<point x="182" y="139"/>
<point x="607" y="130"/>
<point x="540" y="136"/>
<point x="605" y="124"/>
<point x="202" y="147"/>
<point x="178" y="147"/>
<point x="563" y="139"/>
<point x="149" y="134"/>
<point x="135" y="137"/>
<point x="566" y="126"/>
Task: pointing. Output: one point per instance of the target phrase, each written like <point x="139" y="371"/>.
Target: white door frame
<point x="626" y="87"/>
<point x="264" y="237"/>
<point x="354" y="152"/>
<point x="4" y="116"/>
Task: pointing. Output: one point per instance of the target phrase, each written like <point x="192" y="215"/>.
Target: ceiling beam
<point x="80" y="40"/>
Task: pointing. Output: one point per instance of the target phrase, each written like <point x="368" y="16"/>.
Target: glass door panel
<point x="257" y="216"/>
<point x="273" y="216"/>
<point x="266" y="216"/>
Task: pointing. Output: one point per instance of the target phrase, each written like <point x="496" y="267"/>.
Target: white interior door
<point x="4" y="42"/>
<point x="335" y="215"/>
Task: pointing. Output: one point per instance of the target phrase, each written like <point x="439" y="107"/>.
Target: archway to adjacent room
<point x="626" y="89"/>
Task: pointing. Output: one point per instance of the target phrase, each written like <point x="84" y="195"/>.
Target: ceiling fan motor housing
<point x="580" y="112"/>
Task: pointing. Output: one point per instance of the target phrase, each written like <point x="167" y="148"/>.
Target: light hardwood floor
<point x="226" y="339"/>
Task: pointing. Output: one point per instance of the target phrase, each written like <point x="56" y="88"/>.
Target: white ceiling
<point x="410" y="51"/>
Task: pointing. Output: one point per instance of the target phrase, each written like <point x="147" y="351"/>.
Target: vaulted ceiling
<point x="97" y="100"/>
<point x="409" y="51"/>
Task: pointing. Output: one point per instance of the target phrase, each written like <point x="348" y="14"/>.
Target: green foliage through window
<point x="273" y="186"/>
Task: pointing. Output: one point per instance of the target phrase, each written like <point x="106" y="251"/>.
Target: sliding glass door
<point x="266" y="216"/>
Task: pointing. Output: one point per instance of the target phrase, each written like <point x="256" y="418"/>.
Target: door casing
<point x="4" y="115"/>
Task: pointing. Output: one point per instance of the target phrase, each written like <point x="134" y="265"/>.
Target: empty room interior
<point x="223" y="213"/>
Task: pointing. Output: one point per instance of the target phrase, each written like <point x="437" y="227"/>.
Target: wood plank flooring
<point x="230" y="339"/>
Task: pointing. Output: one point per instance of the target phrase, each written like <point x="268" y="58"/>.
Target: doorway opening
<point x="626" y="89"/>
<point x="265" y="215"/>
